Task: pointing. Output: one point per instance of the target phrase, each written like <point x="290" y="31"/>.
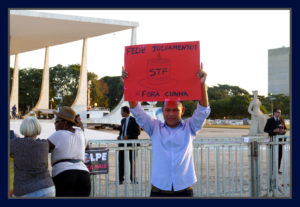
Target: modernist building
<point x="31" y="30"/>
<point x="279" y="71"/>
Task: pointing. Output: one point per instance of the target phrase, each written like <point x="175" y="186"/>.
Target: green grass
<point x="11" y="173"/>
<point x="233" y="126"/>
<point x="228" y="126"/>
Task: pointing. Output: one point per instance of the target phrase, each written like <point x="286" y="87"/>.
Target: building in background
<point x="278" y="71"/>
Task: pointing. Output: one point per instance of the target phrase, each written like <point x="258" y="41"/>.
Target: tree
<point x="228" y="101"/>
<point x="225" y="100"/>
<point x="115" y="90"/>
<point x="219" y="108"/>
<point x="64" y="82"/>
<point x="283" y="102"/>
<point x="190" y="107"/>
<point x="223" y="91"/>
<point x="30" y="81"/>
<point x="280" y="101"/>
<point x="238" y="106"/>
<point x="99" y="91"/>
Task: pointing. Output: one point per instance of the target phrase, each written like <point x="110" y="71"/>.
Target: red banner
<point x="159" y="72"/>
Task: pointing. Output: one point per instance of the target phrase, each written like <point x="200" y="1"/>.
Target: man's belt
<point x="155" y="189"/>
<point x="67" y="160"/>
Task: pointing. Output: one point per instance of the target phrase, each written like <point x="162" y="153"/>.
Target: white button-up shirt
<point x="172" y="148"/>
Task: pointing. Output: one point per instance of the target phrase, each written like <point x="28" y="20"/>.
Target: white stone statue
<point x="258" y="118"/>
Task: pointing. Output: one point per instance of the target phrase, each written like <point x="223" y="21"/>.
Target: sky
<point x="234" y="44"/>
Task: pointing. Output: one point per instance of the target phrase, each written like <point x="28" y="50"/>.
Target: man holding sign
<point x="173" y="171"/>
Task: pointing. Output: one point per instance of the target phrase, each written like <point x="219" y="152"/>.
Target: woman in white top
<point x="67" y="146"/>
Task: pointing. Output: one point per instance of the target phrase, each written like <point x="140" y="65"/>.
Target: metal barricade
<point x="107" y="185"/>
<point x="225" y="167"/>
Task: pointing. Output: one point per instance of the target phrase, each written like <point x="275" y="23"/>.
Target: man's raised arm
<point x="202" y="75"/>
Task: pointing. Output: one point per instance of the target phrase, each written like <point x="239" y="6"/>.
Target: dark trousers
<point x="160" y="193"/>
<point x="121" y="165"/>
<point x="72" y="183"/>
<point x="280" y="152"/>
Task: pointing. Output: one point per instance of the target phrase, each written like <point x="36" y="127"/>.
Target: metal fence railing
<point x="225" y="167"/>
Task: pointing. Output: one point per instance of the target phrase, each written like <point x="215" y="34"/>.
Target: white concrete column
<point x="133" y="36"/>
<point x="80" y="103"/>
<point x="14" y="94"/>
<point x="43" y="102"/>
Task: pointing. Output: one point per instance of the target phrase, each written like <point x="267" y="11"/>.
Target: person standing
<point x="67" y="146"/>
<point x="14" y="112"/>
<point x="276" y="126"/>
<point x="31" y="174"/>
<point x="129" y="130"/>
<point x="173" y="171"/>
